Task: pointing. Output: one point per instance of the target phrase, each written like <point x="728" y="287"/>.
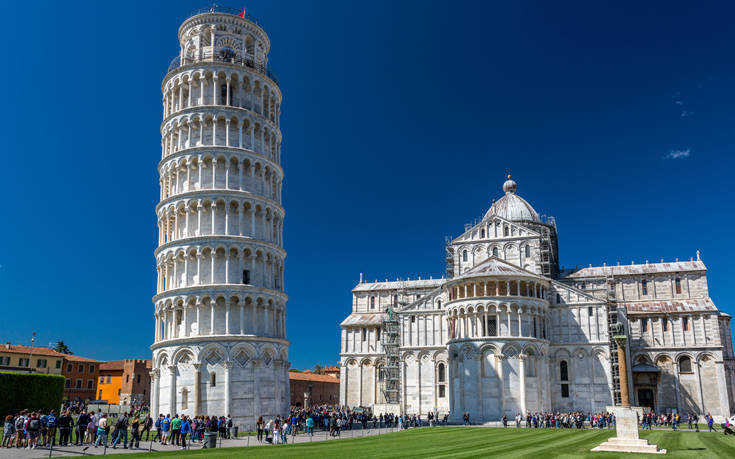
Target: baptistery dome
<point x="511" y="206"/>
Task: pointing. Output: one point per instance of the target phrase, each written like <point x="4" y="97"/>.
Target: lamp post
<point x="30" y="355"/>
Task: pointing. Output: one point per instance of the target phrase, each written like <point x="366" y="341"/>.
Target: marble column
<point x="197" y="388"/>
<point x="228" y="395"/>
<point x="522" y="379"/>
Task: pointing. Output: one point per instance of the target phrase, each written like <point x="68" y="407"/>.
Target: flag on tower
<point x="242" y="15"/>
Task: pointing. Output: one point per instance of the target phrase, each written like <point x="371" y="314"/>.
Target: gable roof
<point x="76" y="358"/>
<point x="397" y="285"/>
<point x="21" y="349"/>
<point x="494" y="266"/>
<point x="647" y="268"/>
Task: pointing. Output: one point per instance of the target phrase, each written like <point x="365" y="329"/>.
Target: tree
<point x="318" y="369"/>
<point x="63" y="348"/>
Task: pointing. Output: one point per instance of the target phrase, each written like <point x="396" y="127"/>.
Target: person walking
<point x="101" y="431"/>
<point x="310" y="426"/>
<point x="8" y="431"/>
<point x="259" y="428"/>
<point x="135" y="432"/>
<point x="51" y="422"/>
<point x="91" y="429"/>
<point x="121" y="430"/>
<point x="711" y="423"/>
<point x="165" y="429"/>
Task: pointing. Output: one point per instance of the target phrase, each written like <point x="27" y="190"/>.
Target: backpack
<point x="229" y="423"/>
<point x="158" y="423"/>
<point x="51" y="421"/>
<point x="19" y="424"/>
<point x="34" y="424"/>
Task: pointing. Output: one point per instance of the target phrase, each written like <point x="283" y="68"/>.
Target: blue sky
<point x="399" y="122"/>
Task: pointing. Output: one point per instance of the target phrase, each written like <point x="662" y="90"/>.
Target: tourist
<point x="185" y="429"/>
<point x="267" y="431"/>
<point x="66" y="422"/>
<point x="147" y="424"/>
<point x="20" y="424"/>
<point x="726" y="427"/>
<point x="165" y="429"/>
<point x="229" y="426"/>
<point x="696" y="421"/>
<point x="101" y="430"/>
<point x="8" y="431"/>
<point x="82" y="422"/>
<point x="134" y="432"/>
<point x="175" y="429"/>
<point x="259" y="428"/>
<point x="310" y="426"/>
<point x="121" y="430"/>
<point x="518" y="420"/>
<point x="91" y="429"/>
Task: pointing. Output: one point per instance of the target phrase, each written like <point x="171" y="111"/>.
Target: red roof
<point x="113" y="365"/>
<point x="292" y="375"/>
<point x="20" y="349"/>
<point x="76" y="358"/>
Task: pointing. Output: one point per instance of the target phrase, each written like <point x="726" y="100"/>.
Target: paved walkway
<point x="76" y="451"/>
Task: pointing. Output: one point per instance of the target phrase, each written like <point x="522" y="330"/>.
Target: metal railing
<point x="237" y="60"/>
<point x="221" y="9"/>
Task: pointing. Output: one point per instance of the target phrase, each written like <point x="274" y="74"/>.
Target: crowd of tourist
<point x="33" y="429"/>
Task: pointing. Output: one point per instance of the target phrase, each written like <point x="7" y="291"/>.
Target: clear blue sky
<point x="399" y="121"/>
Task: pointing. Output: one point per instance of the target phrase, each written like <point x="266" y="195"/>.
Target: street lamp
<point x="30" y="356"/>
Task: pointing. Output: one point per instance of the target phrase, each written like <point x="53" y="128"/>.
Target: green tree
<point x="63" y="348"/>
<point x="318" y="369"/>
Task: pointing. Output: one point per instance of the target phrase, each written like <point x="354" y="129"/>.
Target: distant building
<point x="319" y="389"/>
<point x="80" y="375"/>
<point x="16" y="357"/>
<point x="125" y="382"/>
<point x="332" y="371"/>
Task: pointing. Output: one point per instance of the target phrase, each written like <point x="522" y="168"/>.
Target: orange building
<point x="125" y="382"/>
<point x="109" y="385"/>
<point x="80" y="375"/>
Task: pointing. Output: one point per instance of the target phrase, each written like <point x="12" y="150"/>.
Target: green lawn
<point x="461" y="442"/>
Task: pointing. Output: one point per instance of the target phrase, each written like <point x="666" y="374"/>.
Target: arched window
<point x="439" y="304"/>
<point x="528" y="251"/>
<point x="482" y="233"/>
<point x="506" y="230"/>
<point x="442" y="373"/>
<point x="564" y="370"/>
<point x="372" y="302"/>
<point x="464" y="255"/>
<point x="685" y="365"/>
<point x="495" y="251"/>
<point x="644" y="287"/>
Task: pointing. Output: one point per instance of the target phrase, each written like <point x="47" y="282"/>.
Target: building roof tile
<point x="20" y="349"/>
<point x="295" y="376"/>
<point x="670" y="306"/>
<point x="647" y="268"/>
<point x="363" y="320"/>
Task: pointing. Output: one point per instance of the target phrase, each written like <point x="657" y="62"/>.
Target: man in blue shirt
<point x="165" y="428"/>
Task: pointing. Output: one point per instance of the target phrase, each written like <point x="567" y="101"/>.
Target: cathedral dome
<point x="511" y="206"/>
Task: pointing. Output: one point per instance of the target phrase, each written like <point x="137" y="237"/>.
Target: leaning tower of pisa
<point x="220" y="308"/>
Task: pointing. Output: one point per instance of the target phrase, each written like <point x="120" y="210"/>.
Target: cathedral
<point x="507" y="331"/>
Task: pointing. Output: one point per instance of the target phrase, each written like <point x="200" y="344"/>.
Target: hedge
<point x="30" y="391"/>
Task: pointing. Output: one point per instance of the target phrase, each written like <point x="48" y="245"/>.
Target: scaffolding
<point x="390" y="372"/>
<point x="612" y="320"/>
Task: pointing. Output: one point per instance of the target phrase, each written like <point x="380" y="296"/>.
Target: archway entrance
<point x="646" y="399"/>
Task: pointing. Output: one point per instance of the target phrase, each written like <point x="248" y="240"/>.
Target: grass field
<point x="467" y="442"/>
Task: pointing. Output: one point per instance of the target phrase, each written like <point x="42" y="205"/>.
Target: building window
<point x="482" y="233"/>
<point x="138" y="379"/>
<point x="24" y="362"/>
<point x="558" y="298"/>
<point x="505" y="230"/>
<point x="644" y="325"/>
<point x="223" y="94"/>
<point x="590" y="311"/>
<point x="395" y="300"/>
<point x="91" y="368"/>
<point x="685" y="365"/>
<point x="58" y="364"/>
<point x="70" y="368"/>
<point x="464" y="255"/>
<point x="495" y="251"/>
<point x="5" y="361"/>
<point x="78" y="384"/>
<point x="213" y="379"/>
<point x="565" y="390"/>
<point x="563" y="370"/>
<point x="81" y="368"/>
<point x="99" y="397"/>
<point x="246" y="276"/>
<point x="677" y="285"/>
<point x="492" y="326"/>
<point x="665" y="324"/>
<point x="109" y="379"/>
<point x="442" y="391"/>
<point x="67" y="383"/>
<point x="685" y="323"/>
<point x="413" y="319"/>
<point x="528" y="251"/>
<point x="439" y="304"/>
<point x="41" y="363"/>
<point x="377" y="334"/>
<point x="90" y="384"/>
<point x="372" y="302"/>
<point x="127" y="379"/>
<point x="644" y="287"/>
<point x="442" y="373"/>
<point x="364" y="334"/>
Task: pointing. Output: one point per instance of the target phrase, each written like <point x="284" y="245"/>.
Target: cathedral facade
<point x="506" y="331"/>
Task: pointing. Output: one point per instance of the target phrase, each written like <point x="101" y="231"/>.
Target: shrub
<point x="30" y="391"/>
